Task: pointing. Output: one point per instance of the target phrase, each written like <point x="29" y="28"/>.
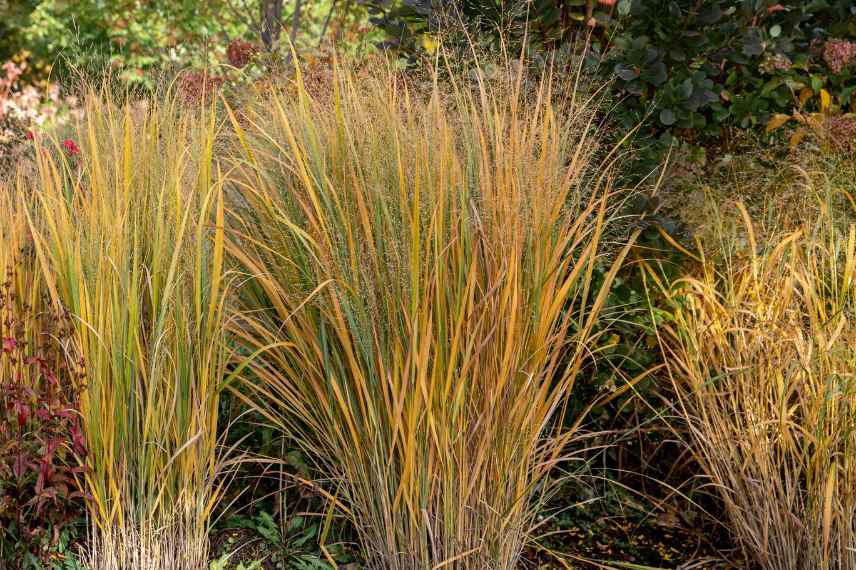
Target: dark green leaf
<point x="626" y="72"/>
<point x="710" y="14"/>
<point x="656" y="74"/>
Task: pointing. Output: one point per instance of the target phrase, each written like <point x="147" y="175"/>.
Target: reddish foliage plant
<point x="240" y="53"/>
<point x="196" y="86"/>
<point x="41" y="442"/>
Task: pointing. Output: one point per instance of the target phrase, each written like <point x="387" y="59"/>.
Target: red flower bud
<point x="70" y="147"/>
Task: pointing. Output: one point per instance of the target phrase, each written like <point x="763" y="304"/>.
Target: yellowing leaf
<point x="825" y="100"/>
<point x="777" y="121"/>
<point x="827" y="510"/>
<point x="429" y="43"/>
<point x="805" y="95"/>
<point x="797" y="137"/>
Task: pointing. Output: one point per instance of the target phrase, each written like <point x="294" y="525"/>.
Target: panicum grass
<point x="130" y="236"/>
<point x="762" y="351"/>
<point x="422" y="299"/>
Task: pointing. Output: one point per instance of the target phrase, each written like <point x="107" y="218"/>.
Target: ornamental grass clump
<point x="420" y="298"/>
<point x="129" y="232"/>
<point x="762" y="351"/>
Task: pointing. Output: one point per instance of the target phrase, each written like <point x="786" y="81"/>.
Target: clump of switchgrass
<point x="422" y="298"/>
<point x="130" y="236"/>
<point x="762" y="351"/>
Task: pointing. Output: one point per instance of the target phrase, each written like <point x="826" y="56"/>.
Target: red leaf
<point x="78" y="440"/>
<point x="19" y="466"/>
<point x="23" y="411"/>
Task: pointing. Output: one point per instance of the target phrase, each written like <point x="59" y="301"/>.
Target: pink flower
<point x="9" y="344"/>
<point x="838" y="54"/>
<point x="607" y="2"/>
<point x="30" y="135"/>
<point x="70" y="147"/>
<point x="841" y="132"/>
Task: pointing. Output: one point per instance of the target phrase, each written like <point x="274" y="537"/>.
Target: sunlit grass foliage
<point x="129" y="231"/>
<point x="762" y="351"/>
<point x="420" y="297"/>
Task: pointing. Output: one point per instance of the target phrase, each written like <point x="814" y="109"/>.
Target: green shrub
<point x="133" y="37"/>
<point x="681" y="67"/>
<point x="728" y="63"/>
